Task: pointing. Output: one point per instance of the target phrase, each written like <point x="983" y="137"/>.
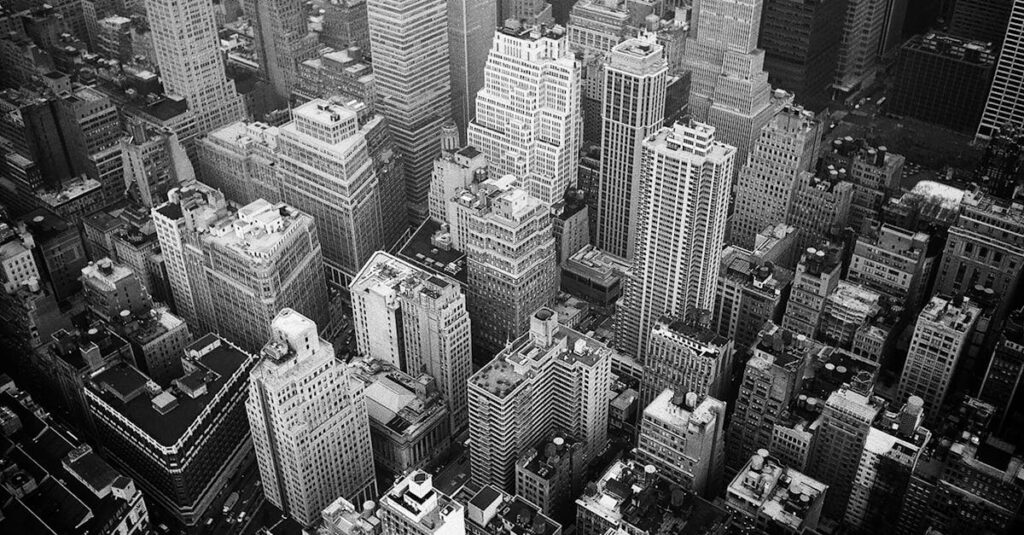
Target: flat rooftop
<point x="422" y="252"/>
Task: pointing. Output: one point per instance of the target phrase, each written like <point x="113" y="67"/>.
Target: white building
<point x="309" y="423"/>
<point x="413" y="506"/>
<point x="635" y="80"/>
<point x="551" y="379"/>
<point x="940" y="336"/>
<point x="1006" y="98"/>
<point x="409" y="45"/>
<point x="452" y="171"/>
<point x="416" y="321"/>
<point x="528" y="120"/>
<point x="684" y="192"/>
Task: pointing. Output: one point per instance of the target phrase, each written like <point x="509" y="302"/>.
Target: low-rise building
<point x="775" y="498"/>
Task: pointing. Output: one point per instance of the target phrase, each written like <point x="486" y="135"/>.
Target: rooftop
<point x="957" y="316"/>
<point x="396" y="400"/>
<point x="44" y="224"/>
<point x="512" y="516"/>
<point x="257" y="230"/>
<point x="416" y="498"/>
<point x="765" y="487"/>
<point x="393" y="277"/>
<point x="424" y="250"/>
<point x="133" y="395"/>
<point x="546" y="458"/>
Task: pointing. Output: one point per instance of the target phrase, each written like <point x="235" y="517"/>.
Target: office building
<point x="820" y="208"/>
<point x="1005" y="104"/>
<point x="686" y="356"/>
<point x="44" y="465"/>
<point x="874" y="173"/>
<point x="801" y="40"/>
<point x="684" y="192"/>
<point x="595" y="26"/>
<point x="510" y="258"/>
<point x="453" y="171"/>
<point x="729" y="87"/>
<point x="153" y="162"/>
<point x="894" y="446"/>
<point x="239" y="160"/>
<point x="528" y="121"/>
<point x="839" y="442"/>
<point x="471" y="26"/>
<point x="635" y="80"/>
<point x="29" y="316"/>
<point x="774" y="497"/>
<point x="846" y="311"/>
<point x="58" y="249"/>
<point x="492" y="511"/>
<point x="594" y="275"/>
<point x="634" y="498"/>
<point x="342" y="192"/>
<point x="551" y="474"/>
<point x="943" y="79"/>
<point x="111" y="288"/>
<point x="550" y="380"/>
<point x="337" y="74"/>
<point x="409" y="42"/>
<point x="191" y="66"/>
<point x="683" y="436"/>
<point x="986" y="247"/>
<point x="345" y="24"/>
<point x="526" y="12"/>
<point x="893" y="261"/>
<point x="980" y="20"/>
<point x="940" y="336"/>
<point x="863" y="27"/>
<point x="787" y="146"/>
<point x="309" y="423"/>
<point x="180" y="444"/>
<point x="570" y="224"/>
<point x="417" y="322"/>
<point x="413" y="506"/>
<point x="282" y="39"/>
<point x="241" y="269"/>
<point x="1002" y="384"/>
<point x="817" y="277"/>
<point x="1004" y="155"/>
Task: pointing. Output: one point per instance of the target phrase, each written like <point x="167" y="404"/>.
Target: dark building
<point x="983" y="20"/>
<point x="943" y="79"/>
<point x="1001" y="171"/>
<point x="58" y="248"/>
<point x="801" y="39"/>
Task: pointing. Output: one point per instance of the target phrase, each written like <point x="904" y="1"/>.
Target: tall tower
<point x="191" y="66"/>
<point x="418" y="322"/>
<point x="471" y="26"/>
<point x="341" y="190"/>
<point x="282" y="40"/>
<point x="729" y="88"/>
<point x="684" y="192"/>
<point x="409" y="45"/>
<point x="634" y="108"/>
<point x="858" y="52"/>
<point x="528" y="121"/>
<point x="787" y="145"/>
<point x="309" y="424"/>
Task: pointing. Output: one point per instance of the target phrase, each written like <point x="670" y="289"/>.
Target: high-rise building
<point x="453" y="171"/>
<point x="1005" y="374"/>
<point x="684" y="195"/>
<point x="820" y="208"/>
<point x="1001" y="165"/>
<point x="801" y="41"/>
<point x="191" y="66"/>
<point x="940" y="338"/>
<point x="416" y="321"/>
<point x="863" y="26"/>
<point x="943" y="79"/>
<point x="729" y="88"/>
<point x="239" y="270"/>
<point x="839" y="443"/>
<point x="893" y="261"/>
<point x="635" y="81"/>
<point x="775" y="497"/>
<point x="986" y="247"/>
<point x="153" y="162"/>
<point x="181" y="444"/>
<point x="787" y="146"/>
<point x="683" y="436"/>
<point x="511" y="258"/>
<point x="551" y="380"/>
<point x="595" y="26"/>
<point x="471" y="26"/>
<point x="528" y="121"/>
<point x="309" y="423"/>
<point x="550" y="474"/>
<point x="981" y="20"/>
<point x="527" y="12"/>
<point x="282" y="40"/>
<point x="1005" y="103"/>
<point x="342" y="191"/>
<point x="686" y="356"/>
<point x="414" y="507"/>
<point x="409" y="43"/>
<point x="817" y="276"/>
<point x="345" y="24"/>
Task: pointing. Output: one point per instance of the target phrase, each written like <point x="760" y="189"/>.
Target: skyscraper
<point x="191" y="66"/>
<point x="341" y="189"/>
<point x="416" y="321"/>
<point x="634" y="107"/>
<point x="940" y="339"/>
<point x="684" y="196"/>
<point x="858" y="53"/>
<point x="309" y="423"/>
<point x="551" y="379"/>
<point x="471" y="26"/>
<point x="729" y="88"/>
<point x="282" y="39"/>
<point x="409" y="44"/>
<point x="787" y="145"/>
<point x="685" y="356"/>
<point x="528" y="121"/>
<point x="1006" y="98"/>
